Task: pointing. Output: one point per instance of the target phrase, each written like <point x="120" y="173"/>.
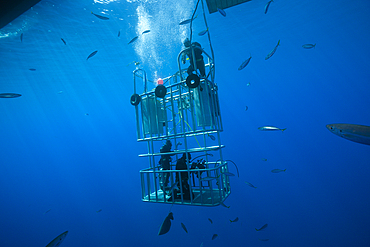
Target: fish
<point x="98" y="211"/>
<point x="267" y="6"/>
<point x="183" y="227"/>
<point x="207" y="179"/>
<point x="236" y="220"/>
<point x="222" y="12"/>
<point x="273" y="51"/>
<point x="21" y="37"/>
<point x="187" y="21"/>
<point x="91" y="55"/>
<point x="119" y="33"/>
<point x="203" y="32"/>
<point x="263" y="159"/>
<point x="309" y="46"/>
<point x="214" y="236"/>
<point x="263" y="227"/>
<point x="245" y="63"/>
<point x="277" y="170"/>
<point x="263" y="239"/>
<point x="246" y="108"/>
<point x="213" y="138"/>
<point x="32" y="69"/>
<point x="100" y="17"/>
<point x="64" y="41"/>
<point x="270" y="128"/>
<point x="166" y="225"/>
<point x="223" y="204"/>
<point x="47" y="211"/>
<point x="229" y="174"/>
<point x="58" y="240"/>
<point x="133" y="40"/>
<point x="146" y="31"/>
<point x="353" y="132"/>
<point x="134" y="62"/>
<point x="10" y="95"/>
<point x="248" y="84"/>
<point x="210" y="220"/>
<point x="251" y="185"/>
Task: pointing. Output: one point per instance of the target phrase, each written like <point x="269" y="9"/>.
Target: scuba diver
<point x="181" y="164"/>
<point x="165" y="162"/>
<point x="198" y="57"/>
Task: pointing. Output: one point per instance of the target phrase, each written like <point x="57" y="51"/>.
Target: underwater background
<point x="69" y="155"/>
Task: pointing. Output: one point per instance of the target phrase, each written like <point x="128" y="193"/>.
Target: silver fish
<point x="263" y="227"/>
<point x="58" y="240"/>
<point x="133" y="40"/>
<point x="236" y="220"/>
<point x="64" y="41"/>
<point x="21" y="37"/>
<point x="10" y="95"/>
<point x="183" y="227"/>
<point x="251" y="185"/>
<point x="100" y="17"/>
<point x="203" y="32"/>
<point x="187" y="21"/>
<point x="309" y="46"/>
<point x="207" y="179"/>
<point x="229" y="174"/>
<point x="273" y="51"/>
<point x="213" y="138"/>
<point x="245" y="63"/>
<point x="166" y="225"/>
<point x="146" y="31"/>
<point x="214" y="236"/>
<point x="91" y="55"/>
<point x="277" y="170"/>
<point x="267" y="6"/>
<point x="263" y="239"/>
<point x="222" y="12"/>
<point x="353" y="132"/>
<point x="270" y="128"/>
<point x="210" y="220"/>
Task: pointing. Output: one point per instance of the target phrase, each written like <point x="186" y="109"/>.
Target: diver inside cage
<point x="165" y="162"/>
<point x="182" y="164"/>
<point x="198" y="57"/>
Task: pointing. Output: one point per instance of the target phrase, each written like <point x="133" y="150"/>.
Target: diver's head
<point x="168" y="143"/>
<point x="187" y="42"/>
<point x="186" y="154"/>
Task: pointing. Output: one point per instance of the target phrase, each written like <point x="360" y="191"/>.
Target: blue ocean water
<point x="69" y="144"/>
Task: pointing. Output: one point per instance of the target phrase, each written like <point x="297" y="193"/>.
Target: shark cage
<point x="185" y="113"/>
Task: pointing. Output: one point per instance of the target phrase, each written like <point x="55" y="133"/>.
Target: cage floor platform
<point x="208" y="198"/>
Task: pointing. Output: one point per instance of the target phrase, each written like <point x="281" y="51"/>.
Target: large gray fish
<point x="166" y="225"/>
<point x="58" y="240"/>
<point x="273" y="51"/>
<point x="352" y="132"/>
